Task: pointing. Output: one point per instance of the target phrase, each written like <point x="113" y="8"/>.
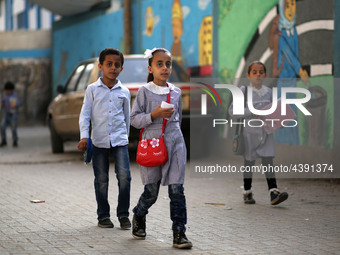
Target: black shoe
<point x="248" y="198"/>
<point x="181" y="241"/>
<point x="3" y="144"/>
<point x="124" y="223"/>
<point x="138" y="227"/>
<point x="277" y="197"/>
<point x="105" y="223"/>
<point x="15" y="144"/>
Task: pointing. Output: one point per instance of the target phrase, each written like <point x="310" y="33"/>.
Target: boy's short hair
<point x="9" y="85"/>
<point x="110" y="51"/>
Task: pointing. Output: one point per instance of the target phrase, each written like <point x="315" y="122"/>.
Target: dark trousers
<point x="248" y="176"/>
<point x="10" y="119"/>
<point x="178" y="210"/>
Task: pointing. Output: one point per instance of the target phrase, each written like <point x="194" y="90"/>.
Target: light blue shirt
<point x="108" y="111"/>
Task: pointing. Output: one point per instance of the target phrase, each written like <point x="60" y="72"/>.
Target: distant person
<point x="107" y="107"/>
<point x="10" y="104"/>
<point x="148" y="114"/>
<point x="258" y="143"/>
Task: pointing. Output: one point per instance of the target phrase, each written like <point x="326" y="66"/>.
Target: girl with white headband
<point x="147" y="113"/>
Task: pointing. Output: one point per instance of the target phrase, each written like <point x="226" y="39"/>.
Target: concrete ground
<point x="218" y="220"/>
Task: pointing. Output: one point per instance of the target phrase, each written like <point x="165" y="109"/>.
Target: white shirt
<point x="109" y="113"/>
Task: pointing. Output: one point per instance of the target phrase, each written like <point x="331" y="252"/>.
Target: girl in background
<point x="258" y="143"/>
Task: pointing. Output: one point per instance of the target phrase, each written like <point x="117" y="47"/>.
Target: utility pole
<point x="127" y="27"/>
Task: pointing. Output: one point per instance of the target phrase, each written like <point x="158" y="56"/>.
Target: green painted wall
<point x="237" y="22"/>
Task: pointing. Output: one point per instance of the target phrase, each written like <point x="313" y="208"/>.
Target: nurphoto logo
<point x="280" y="108"/>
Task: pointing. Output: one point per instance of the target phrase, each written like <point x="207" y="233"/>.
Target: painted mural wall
<point x="182" y="26"/>
<point x="288" y="37"/>
<point x="79" y="38"/>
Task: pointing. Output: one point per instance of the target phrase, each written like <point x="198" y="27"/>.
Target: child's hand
<point x="82" y="145"/>
<point x="160" y="112"/>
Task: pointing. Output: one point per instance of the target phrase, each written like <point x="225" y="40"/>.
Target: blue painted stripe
<point x="38" y="18"/>
<point x="52" y="17"/>
<point x="33" y="53"/>
<point x="9" y="15"/>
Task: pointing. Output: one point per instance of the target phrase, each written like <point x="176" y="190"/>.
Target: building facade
<point x="22" y="14"/>
<point x="25" y="55"/>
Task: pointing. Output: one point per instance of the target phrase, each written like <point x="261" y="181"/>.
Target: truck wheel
<point x="56" y="141"/>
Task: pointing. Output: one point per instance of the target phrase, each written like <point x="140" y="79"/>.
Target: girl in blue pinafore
<point x="148" y="114"/>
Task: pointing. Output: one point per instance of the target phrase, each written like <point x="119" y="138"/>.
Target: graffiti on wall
<point x="81" y="38"/>
<point x="205" y="40"/>
<point x="284" y="42"/>
<point x="150" y="21"/>
<point x="32" y="79"/>
<point x="177" y="31"/>
<point x="182" y="26"/>
<point x="287" y="37"/>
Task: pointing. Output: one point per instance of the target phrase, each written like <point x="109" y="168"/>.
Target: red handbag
<point x="152" y="152"/>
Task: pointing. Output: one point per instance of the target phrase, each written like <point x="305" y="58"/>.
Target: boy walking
<point x="107" y="106"/>
<point x="9" y="107"/>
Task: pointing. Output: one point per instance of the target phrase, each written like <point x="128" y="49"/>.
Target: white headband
<point x="148" y="53"/>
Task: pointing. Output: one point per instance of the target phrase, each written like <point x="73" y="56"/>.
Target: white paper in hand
<point x="166" y="105"/>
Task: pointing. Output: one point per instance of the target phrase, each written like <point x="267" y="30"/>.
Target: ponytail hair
<point x="149" y="55"/>
<point x="150" y="77"/>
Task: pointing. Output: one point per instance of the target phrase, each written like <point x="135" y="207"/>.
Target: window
<point x="72" y="82"/>
<point x="21" y="20"/>
<point x="84" y="79"/>
<point x="135" y="70"/>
